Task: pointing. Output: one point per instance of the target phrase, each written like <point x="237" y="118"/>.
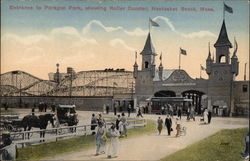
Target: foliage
<point x="225" y="145"/>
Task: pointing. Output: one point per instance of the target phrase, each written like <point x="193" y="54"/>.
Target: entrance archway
<point x="196" y="96"/>
<point x="165" y="94"/>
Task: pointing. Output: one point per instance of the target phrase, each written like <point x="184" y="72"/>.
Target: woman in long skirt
<point x="205" y="116"/>
<point x="100" y="139"/>
<point x="178" y="127"/>
<point x="114" y="142"/>
<point x="159" y="127"/>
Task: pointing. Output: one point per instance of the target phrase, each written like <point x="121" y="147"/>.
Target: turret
<point x="234" y="60"/>
<point x="222" y="46"/>
<point x="135" y="67"/>
<point x="209" y="61"/>
<point x="148" y="56"/>
<point x="160" y="71"/>
<point x="160" y="68"/>
<point x="57" y="74"/>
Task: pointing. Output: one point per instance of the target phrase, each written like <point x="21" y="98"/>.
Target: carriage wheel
<point x="9" y="127"/>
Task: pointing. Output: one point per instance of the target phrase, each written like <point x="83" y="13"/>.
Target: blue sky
<point x="22" y="21"/>
<point x="71" y="36"/>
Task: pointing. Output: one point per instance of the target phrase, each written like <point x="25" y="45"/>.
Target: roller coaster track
<point x="90" y="82"/>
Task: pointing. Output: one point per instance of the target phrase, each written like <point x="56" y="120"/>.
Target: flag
<point x="153" y="23"/>
<point x="202" y="68"/>
<point x="183" y="52"/>
<point x="228" y="9"/>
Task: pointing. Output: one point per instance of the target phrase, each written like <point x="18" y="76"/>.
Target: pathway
<point x="155" y="147"/>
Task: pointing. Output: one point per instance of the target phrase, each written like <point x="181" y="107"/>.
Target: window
<point x="222" y="59"/>
<point x="244" y="88"/>
<point x="146" y="64"/>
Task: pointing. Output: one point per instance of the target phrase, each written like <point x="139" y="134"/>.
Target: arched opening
<point x="196" y="96"/>
<point x="222" y="59"/>
<point x="165" y="94"/>
<point x="146" y="64"/>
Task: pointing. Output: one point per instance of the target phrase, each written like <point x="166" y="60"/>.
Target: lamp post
<point x="20" y="94"/>
<point x="245" y="76"/>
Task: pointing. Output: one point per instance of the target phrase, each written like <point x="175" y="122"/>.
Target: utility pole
<point x="245" y="76"/>
<point x="113" y="89"/>
<point x="70" y="87"/>
<point x="132" y="90"/>
<point x="20" y="94"/>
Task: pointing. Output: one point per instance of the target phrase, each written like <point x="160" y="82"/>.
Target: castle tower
<point x="222" y="72"/>
<point x="144" y="77"/>
<point x="222" y="46"/>
<point x="148" y="57"/>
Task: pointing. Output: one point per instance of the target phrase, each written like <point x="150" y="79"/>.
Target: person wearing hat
<point x="114" y="142"/>
<point x="100" y="139"/>
<point x="168" y="124"/>
<point x="124" y="125"/>
<point x="8" y="148"/>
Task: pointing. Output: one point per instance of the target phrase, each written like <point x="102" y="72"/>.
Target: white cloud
<point x="197" y="34"/>
<point x="65" y="30"/>
<point x="89" y="41"/>
<point x="120" y="43"/>
<point x="167" y="21"/>
<point x="36" y="38"/>
<point x="28" y="40"/>
<point x="135" y="32"/>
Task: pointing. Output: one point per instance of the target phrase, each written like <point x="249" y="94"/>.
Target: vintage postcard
<point x="124" y="80"/>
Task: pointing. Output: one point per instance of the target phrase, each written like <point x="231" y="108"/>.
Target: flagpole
<point x="245" y="76"/>
<point x="223" y="10"/>
<point x="149" y="25"/>
<point x="200" y="70"/>
<point x="180" y="59"/>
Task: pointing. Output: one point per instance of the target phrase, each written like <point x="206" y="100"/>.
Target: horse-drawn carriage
<point x="66" y="114"/>
<point x="11" y="123"/>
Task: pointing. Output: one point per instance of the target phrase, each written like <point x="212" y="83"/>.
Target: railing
<point x="53" y="134"/>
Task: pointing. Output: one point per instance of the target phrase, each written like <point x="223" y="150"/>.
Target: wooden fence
<point x="54" y="134"/>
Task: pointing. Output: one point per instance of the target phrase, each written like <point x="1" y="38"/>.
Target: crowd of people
<point x="112" y="131"/>
<point x="104" y="130"/>
<point x="139" y="110"/>
<point x="190" y="113"/>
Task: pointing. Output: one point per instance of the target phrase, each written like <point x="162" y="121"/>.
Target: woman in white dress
<point x="205" y="116"/>
<point x="100" y="139"/>
<point x="114" y="142"/>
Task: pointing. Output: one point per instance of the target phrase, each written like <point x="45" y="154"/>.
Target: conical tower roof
<point x="209" y="53"/>
<point x="223" y="38"/>
<point x="148" y="47"/>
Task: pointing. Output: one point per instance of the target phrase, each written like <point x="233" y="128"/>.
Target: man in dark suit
<point x="209" y="116"/>
<point x="168" y="124"/>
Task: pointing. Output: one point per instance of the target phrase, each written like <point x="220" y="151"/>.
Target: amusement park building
<point x="219" y="91"/>
<point x="91" y="89"/>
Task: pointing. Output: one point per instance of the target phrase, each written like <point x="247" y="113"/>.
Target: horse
<point x="41" y="122"/>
